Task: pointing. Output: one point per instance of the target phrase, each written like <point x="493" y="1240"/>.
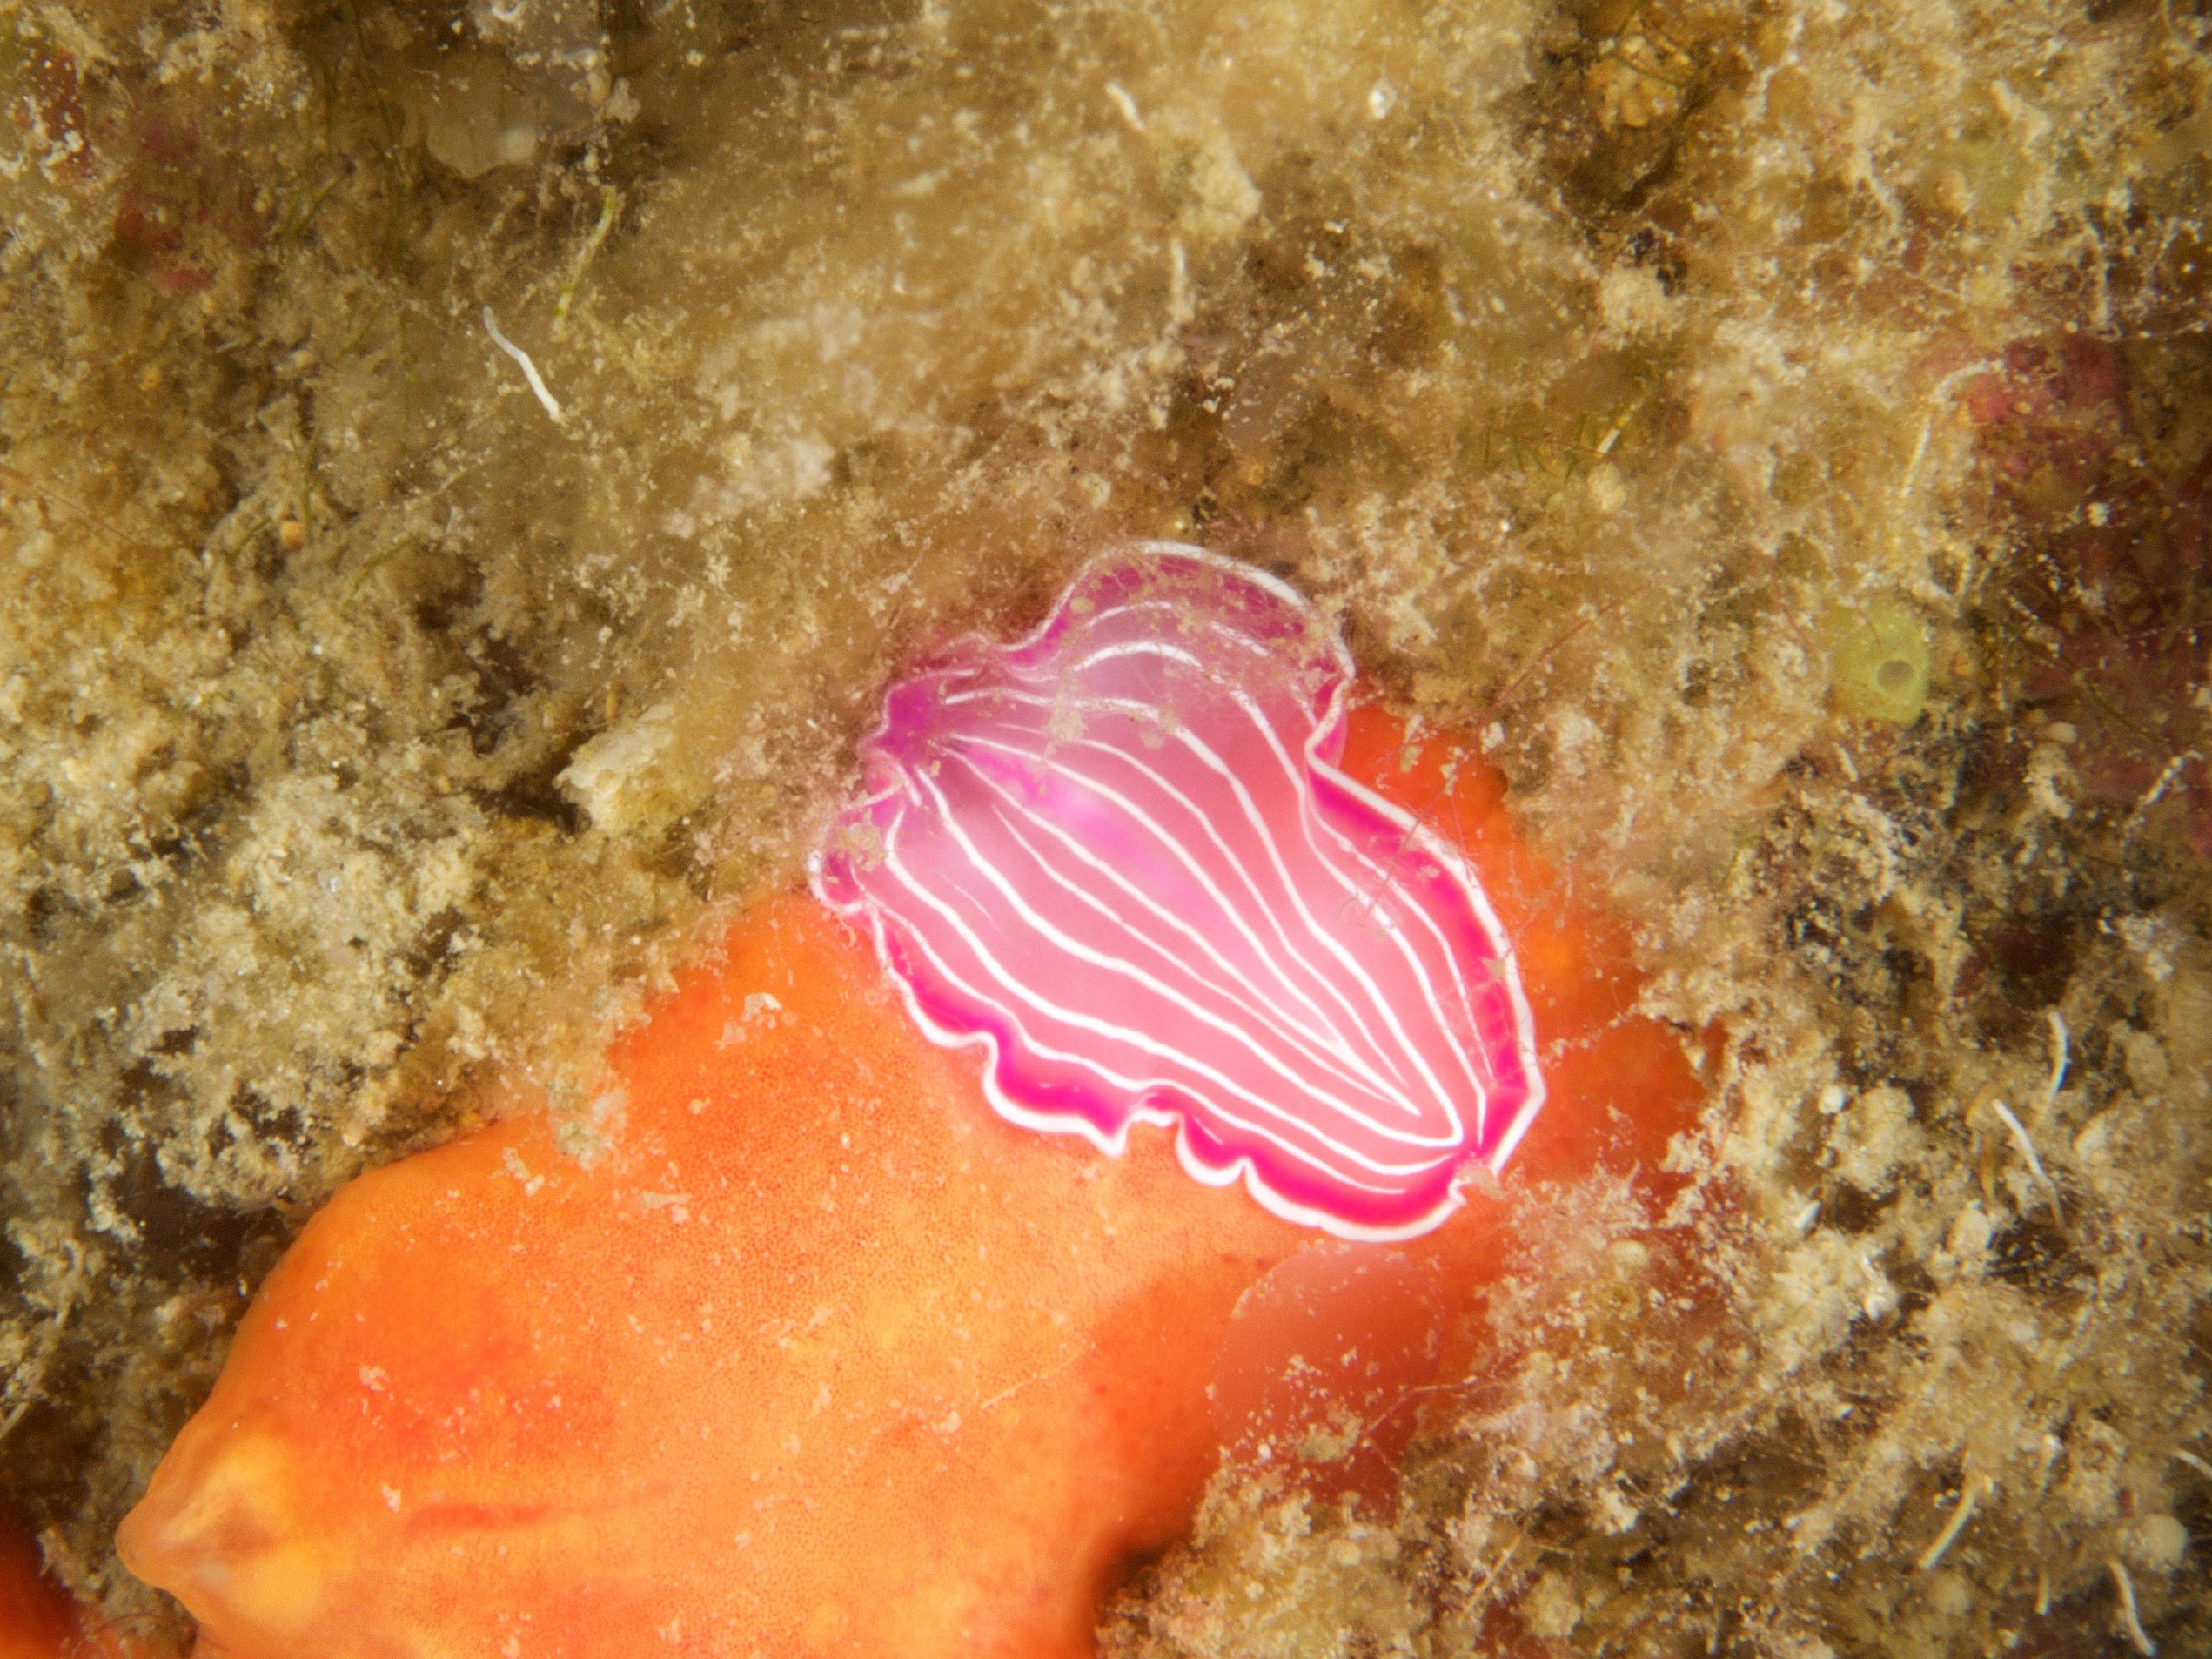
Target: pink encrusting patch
<point x="1119" y="854"/>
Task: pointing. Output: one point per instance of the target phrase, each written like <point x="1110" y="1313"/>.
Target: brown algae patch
<point x="1778" y="435"/>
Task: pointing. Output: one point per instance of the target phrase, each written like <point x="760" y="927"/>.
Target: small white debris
<point x="511" y="1160"/>
<point x="760" y="1009"/>
<point x="2147" y="939"/>
<point x="1550" y="1610"/>
<point x="678" y="1204"/>
<point x="1607" y="493"/>
<point x="2129" y="1616"/>
<point x="1180" y="310"/>
<point x="529" y="369"/>
<point x="2019" y="1133"/>
<point x="1970" y="1493"/>
<point x="1877" y="1136"/>
<point x="622" y="778"/>
<point x="1126" y="105"/>
<point x="2151" y="797"/>
<point x="2047" y="769"/>
<point x="1879" y="1299"/>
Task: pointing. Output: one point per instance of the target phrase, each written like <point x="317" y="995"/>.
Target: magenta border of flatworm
<point x="1447" y="856"/>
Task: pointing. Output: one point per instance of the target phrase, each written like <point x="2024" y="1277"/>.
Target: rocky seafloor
<point x="1778" y="436"/>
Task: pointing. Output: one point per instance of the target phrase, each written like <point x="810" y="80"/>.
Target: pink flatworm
<point x="1118" y="853"/>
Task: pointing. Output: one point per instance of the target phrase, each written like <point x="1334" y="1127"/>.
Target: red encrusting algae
<point x="819" y="1354"/>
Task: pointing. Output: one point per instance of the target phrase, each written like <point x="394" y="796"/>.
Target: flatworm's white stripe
<point x="1352" y="890"/>
<point x="1327" y="1037"/>
<point x="1380" y="1050"/>
<point x="1114" y="1143"/>
<point x="1254" y="1001"/>
<point x="1137" y="1040"/>
<point x="1420" y="914"/>
<point x="1254" y="819"/>
<point x="1199" y="1074"/>
<point x="1327" y="983"/>
<point x="1502" y="961"/>
<point x="1334" y="946"/>
<point x="1193" y="1087"/>
<point x="1049" y="930"/>
<point x="1181" y="855"/>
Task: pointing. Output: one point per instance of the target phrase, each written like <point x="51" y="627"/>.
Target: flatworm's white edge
<point x="1447" y="857"/>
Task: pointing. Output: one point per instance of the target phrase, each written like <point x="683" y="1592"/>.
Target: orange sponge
<point x="816" y="1354"/>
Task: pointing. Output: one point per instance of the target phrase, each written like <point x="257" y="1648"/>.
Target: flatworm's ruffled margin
<point x="1321" y="747"/>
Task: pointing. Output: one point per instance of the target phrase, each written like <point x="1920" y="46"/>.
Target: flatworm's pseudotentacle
<point x="1119" y="855"/>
